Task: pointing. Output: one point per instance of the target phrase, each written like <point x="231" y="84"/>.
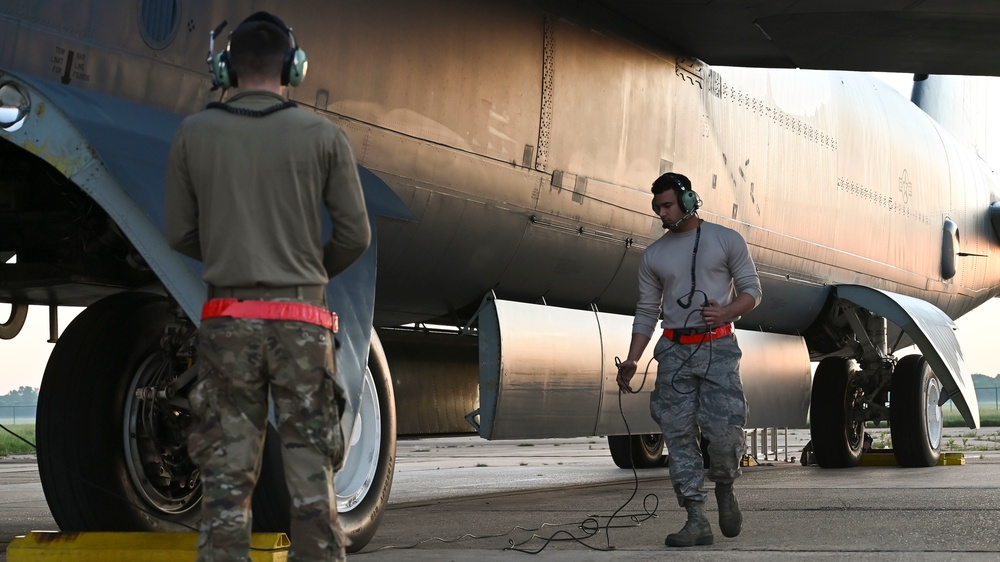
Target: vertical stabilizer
<point x="962" y="105"/>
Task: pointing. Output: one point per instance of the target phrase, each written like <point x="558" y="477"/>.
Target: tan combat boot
<point x="697" y="530"/>
<point x="730" y="518"/>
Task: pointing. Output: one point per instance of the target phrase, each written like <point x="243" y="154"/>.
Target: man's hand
<point x="713" y="314"/>
<point x="716" y="315"/>
<point x="626" y="370"/>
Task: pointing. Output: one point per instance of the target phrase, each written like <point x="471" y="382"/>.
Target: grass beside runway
<point x="989" y="416"/>
<point x="10" y="445"/>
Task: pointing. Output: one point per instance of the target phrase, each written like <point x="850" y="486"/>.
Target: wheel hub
<point x="935" y="417"/>
<point x="156" y="445"/>
<point x="361" y="461"/>
<point x="856" y="416"/>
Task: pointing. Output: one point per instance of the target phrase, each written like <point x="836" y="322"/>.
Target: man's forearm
<point x="742" y="304"/>
<point x="638" y="345"/>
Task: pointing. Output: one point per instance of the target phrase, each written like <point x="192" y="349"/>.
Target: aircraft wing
<point x="926" y="37"/>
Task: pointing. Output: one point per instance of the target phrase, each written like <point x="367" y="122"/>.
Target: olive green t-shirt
<point x="245" y="195"/>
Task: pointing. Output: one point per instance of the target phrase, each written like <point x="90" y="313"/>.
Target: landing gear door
<point x="933" y="332"/>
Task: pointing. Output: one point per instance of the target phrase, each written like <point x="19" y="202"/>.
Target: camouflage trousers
<point x="699" y="393"/>
<point x="240" y="361"/>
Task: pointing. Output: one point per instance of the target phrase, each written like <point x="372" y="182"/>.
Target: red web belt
<point x="270" y="310"/>
<point x="684" y="339"/>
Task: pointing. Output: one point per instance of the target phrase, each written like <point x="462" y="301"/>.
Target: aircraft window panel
<point x="158" y="22"/>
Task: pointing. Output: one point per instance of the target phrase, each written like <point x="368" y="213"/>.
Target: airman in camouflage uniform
<point x="704" y="392"/>
<point x="248" y="183"/>
<point x="698" y="392"/>
<point x="239" y="360"/>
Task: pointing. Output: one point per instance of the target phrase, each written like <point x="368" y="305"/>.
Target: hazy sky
<point x="24" y="357"/>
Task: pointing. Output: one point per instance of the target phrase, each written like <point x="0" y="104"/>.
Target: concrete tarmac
<point x="467" y="499"/>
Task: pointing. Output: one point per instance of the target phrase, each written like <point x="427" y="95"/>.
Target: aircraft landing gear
<point x="837" y="423"/>
<point x="637" y="451"/>
<point x="109" y="460"/>
<point x="872" y="386"/>
<point x="112" y="447"/>
<point x="841" y="406"/>
<point x="915" y="419"/>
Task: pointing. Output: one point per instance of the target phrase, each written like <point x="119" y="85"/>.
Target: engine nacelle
<point x="550" y="372"/>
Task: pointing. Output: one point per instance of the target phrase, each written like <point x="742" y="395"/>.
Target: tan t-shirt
<point x="245" y="195"/>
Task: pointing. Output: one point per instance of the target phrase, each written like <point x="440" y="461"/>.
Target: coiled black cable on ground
<point x="591" y="526"/>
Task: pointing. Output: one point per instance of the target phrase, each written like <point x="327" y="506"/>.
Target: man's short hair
<point x="670" y="180"/>
<point x="258" y="49"/>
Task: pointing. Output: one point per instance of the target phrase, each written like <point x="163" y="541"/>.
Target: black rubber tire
<point x="837" y="440"/>
<point x="914" y="442"/>
<point x="271" y="500"/>
<point x="637" y="451"/>
<point x="81" y="447"/>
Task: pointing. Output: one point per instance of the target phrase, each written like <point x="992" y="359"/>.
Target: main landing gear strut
<point x="848" y="393"/>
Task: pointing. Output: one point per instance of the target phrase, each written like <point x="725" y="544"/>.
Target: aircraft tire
<point x="637" y="451"/>
<point x="837" y="439"/>
<point x="362" y="485"/>
<point x="83" y="453"/>
<point x="915" y="419"/>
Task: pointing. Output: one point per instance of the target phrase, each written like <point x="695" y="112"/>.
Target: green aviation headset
<point x="687" y="198"/>
<point x="293" y="71"/>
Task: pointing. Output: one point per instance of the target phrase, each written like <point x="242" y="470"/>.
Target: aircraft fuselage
<point x="522" y="144"/>
<point x="526" y="157"/>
